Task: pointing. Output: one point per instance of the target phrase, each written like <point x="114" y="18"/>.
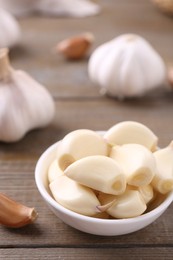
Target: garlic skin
<point x="127" y="66"/>
<point x="24" y="103"/>
<point x="51" y="7"/>
<point x="9" y="30"/>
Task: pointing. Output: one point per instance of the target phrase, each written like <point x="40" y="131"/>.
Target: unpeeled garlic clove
<point x="163" y="179"/>
<point x="128" y="205"/>
<point x="137" y="162"/>
<point x="54" y="171"/>
<point x="98" y="172"/>
<point x="24" y="103"/>
<point x="75" y="47"/>
<point x="131" y="132"/>
<point x="74" y="196"/>
<point x="14" y="214"/>
<point x="79" y="144"/>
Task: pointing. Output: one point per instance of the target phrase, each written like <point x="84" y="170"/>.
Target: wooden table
<point x="79" y="105"/>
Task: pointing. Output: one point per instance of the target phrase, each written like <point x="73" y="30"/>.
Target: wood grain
<point x="93" y="254"/>
<point x="79" y="104"/>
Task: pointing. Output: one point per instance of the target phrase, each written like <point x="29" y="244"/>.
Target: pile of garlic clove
<point x="117" y="174"/>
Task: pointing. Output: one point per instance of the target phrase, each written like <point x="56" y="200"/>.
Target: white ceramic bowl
<point x="106" y="227"/>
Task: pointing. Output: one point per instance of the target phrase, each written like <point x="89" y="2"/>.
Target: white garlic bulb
<point x="9" y="30"/>
<point x="51" y="7"/>
<point x="127" y="66"/>
<point x="24" y="103"/>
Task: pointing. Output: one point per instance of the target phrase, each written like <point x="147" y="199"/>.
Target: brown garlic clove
<point x="170" y="76"/>
<point x="75" y="47"/>
<point x="14" y="214"/>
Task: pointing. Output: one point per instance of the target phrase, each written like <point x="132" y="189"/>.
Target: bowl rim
<point x="49" y="199"/>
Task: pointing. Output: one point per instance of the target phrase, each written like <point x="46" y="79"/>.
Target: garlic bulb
<point x="127" y="66"/>
<point x="24" y="103"/>
<point x="9" y="30"/>
<point x="51" y="7"/>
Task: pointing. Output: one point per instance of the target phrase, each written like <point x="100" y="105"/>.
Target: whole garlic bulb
<point x="24" y="103"/>
<point x="127" y="66"/>
<point x="51" y="7"/>
<point x="9" y="30"/>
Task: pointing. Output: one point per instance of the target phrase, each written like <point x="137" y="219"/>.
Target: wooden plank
<point x="50" y="231"/>
<point x="96" y="253"/>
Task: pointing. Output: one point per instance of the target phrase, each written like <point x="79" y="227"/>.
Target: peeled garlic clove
<point x="75" y="47"/>
<point x="137" y="162"/>
<point x="146" y="192"/>
<point x="129" y="204"/>
<point x="131" y="132"/>
<point x="74" y="196"/>
<point x="9" y="30"/>
<point x="24" y="103"/>
<point x="79" y="144"/>
<point x="54" y="171"/>
<point x="98" y="172"/>
<point x="127" y="66"/>
<point x="14" y="214"/>
<point x="163" y="179"/>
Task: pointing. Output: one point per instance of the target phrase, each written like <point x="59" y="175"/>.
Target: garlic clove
<point x="137" y="162"/>
<point x="129" y="204"/>
<point x="75" y="47"/>
<point x="31" y="105"/>
<point x="99" y="173"/>
<point x="74" y="196"/>
<point x="163" y="179"/>
<point x="14" y="214"/>
<point x="131" y="132"/>
<point x="146" y="192"/>
<point x="79" y="144"/>
<point x="126" y="66"/>
<point x="54" y="171"/>
<point x="10" y="32"/>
